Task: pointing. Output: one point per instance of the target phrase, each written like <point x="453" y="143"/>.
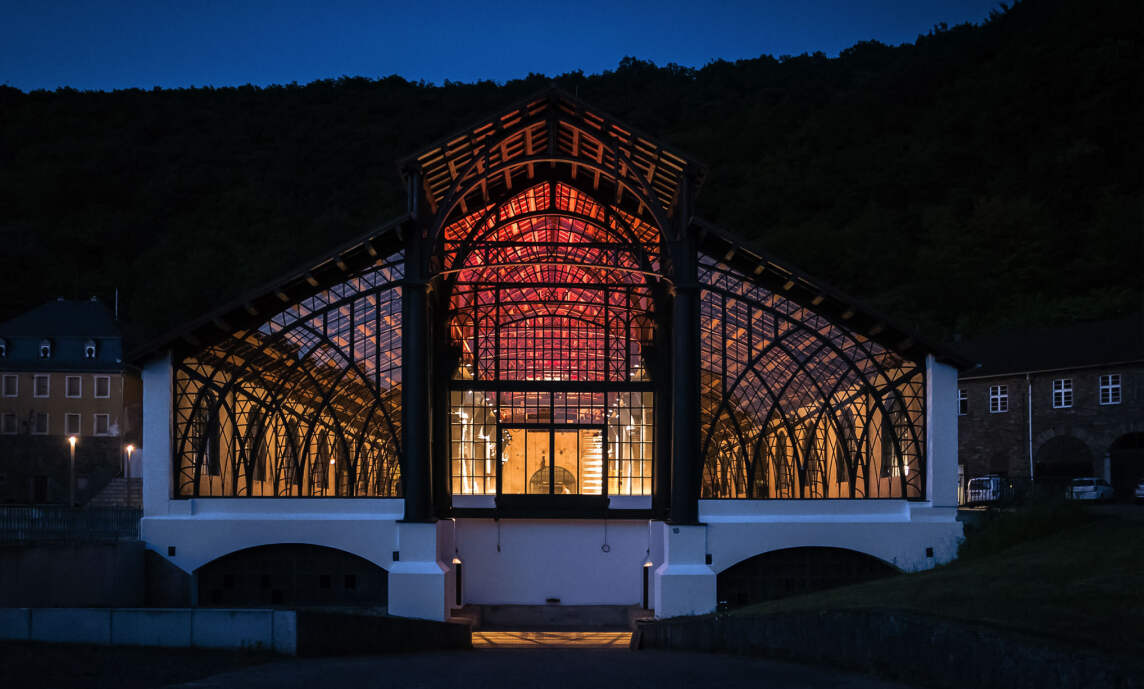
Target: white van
<point x="985" y="490"/>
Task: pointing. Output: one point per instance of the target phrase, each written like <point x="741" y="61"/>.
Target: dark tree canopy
<point x="980" y="177"/>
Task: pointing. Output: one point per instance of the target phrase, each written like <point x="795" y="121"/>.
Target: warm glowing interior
<point x="551" y="291"/>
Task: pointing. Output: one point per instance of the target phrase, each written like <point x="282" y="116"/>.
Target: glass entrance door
<point x="552" y="461"/>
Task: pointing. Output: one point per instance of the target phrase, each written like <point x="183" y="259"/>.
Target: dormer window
<point x="89" y="349"/>
<point x="45" y="349"/>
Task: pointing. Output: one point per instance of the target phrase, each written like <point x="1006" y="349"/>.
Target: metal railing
<point x="58" y="523"/>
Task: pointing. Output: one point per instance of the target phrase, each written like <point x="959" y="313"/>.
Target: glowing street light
<point x="71" y="471"/>
<point x="127" y="472"/>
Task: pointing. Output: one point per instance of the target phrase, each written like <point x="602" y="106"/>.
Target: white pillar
<point x="156" y="451"/>
<point x="684" y="583"/>
<point x="417" y="578"/>
<point x="941" y="429"/>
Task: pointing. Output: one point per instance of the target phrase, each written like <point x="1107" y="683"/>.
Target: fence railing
<point x="58" y="523"/>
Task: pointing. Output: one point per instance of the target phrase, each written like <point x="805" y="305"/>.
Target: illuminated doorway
<point x="552" y="461"/>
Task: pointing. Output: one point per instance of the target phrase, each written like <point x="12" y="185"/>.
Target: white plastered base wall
<point x="543" y="559"/>
<point x="577" y="561"/>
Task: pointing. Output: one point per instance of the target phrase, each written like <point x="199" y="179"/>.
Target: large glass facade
<point x="551" y="304"/>
<point x="794" y="405"/>
<point x="307" y="404"/>
<point x="551" y="313"/>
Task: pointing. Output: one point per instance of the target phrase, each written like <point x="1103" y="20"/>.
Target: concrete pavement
<point x="540" y="667"/>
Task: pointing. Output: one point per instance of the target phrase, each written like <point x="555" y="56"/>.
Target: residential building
<point x="1055" y="403"/>
<point x="62" y="375"/>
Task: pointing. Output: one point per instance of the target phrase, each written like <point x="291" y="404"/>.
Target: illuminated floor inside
<point x="551" y="639"/>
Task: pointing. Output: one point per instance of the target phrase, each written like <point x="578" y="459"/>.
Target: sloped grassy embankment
<point x="1060" y="572"/>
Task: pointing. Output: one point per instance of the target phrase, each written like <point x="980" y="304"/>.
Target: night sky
<point x="121" y="44"/>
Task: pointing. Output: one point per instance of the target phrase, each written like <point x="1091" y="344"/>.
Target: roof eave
<point x="297" y="284"/>
<point x="798" y="285"/>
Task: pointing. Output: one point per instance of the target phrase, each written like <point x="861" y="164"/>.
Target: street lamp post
<point x="71" y="472"/>
<point x="127" y="470"/>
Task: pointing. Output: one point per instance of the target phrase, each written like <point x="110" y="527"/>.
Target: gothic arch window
<point x="263" y="410"/>
<point x="773" y="366"/>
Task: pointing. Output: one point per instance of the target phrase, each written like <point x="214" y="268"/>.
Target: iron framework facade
<point x="797" y="406"/>
<point x="554" y="298"/>
<point x="305" y="404"/>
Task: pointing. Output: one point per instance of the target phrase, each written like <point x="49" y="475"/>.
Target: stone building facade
<point x="1053" y="404"/>
<point x="62" y="375"/>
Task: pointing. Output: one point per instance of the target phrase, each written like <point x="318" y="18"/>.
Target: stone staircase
<point x="120" y="492"/>
<point x="551" y="617"/>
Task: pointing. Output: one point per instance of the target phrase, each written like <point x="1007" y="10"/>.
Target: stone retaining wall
<point x="909" y="647"/>
<point x="289" y="632"/>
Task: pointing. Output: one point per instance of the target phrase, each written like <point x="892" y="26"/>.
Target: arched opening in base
<point x="793" y="571"/>
<point x="291" y="574"/>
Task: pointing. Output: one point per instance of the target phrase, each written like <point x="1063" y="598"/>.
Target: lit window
<point x="41" y="386"/>
<point x="962" y="402"/>
<point x="1110" y="389"/>
<point x="71" y="424"/>
<point x="8" y="423"/>
<point x="89" y="350"/>
<point x="998" y="399"/>
<point x="40" y="423"/>
<point x="45" y="349"/>
<point x="11" y="384"/>
<point x="73" y="387"/>
<point x="1062" y="393"/>
<point x="102" y="424"/>
<point x="102" y="387"/>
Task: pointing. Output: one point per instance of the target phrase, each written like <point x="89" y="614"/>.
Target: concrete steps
<point x="552" y="617"/>
<point x="120" y="492"/>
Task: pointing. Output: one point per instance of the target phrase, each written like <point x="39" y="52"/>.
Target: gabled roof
<point x="552" y="124"/>
<point x="63" y="318"/>
<point x="555" y="124"/>
<point x="258" y="304"/>
<point x="783" y="278"/>
<point x="1076" y="345"/>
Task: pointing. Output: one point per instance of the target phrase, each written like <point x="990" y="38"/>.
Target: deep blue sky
<point x="120" y="44"/>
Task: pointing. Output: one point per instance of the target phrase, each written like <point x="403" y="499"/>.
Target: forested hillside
<point x="982" y="176"/>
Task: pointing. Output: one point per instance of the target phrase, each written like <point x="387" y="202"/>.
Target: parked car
<point x="1140" y="491"/>
<point x="1088" y="488"/>
<point x="986" y="490"/>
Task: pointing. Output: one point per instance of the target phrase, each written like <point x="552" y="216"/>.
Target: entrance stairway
<point x="551" y="626"/>
<point x="120" y="492"/>
<point x="552" y="617"/>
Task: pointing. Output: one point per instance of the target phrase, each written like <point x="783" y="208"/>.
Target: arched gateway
<point x="550" y="371"/>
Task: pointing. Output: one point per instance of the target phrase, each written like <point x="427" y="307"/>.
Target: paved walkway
<point x="525" y="661"/>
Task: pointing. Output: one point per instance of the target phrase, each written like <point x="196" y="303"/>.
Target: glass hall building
<point x="548" y="383"/>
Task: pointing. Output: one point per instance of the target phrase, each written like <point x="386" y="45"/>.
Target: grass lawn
<point x="1082" y="583"/>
